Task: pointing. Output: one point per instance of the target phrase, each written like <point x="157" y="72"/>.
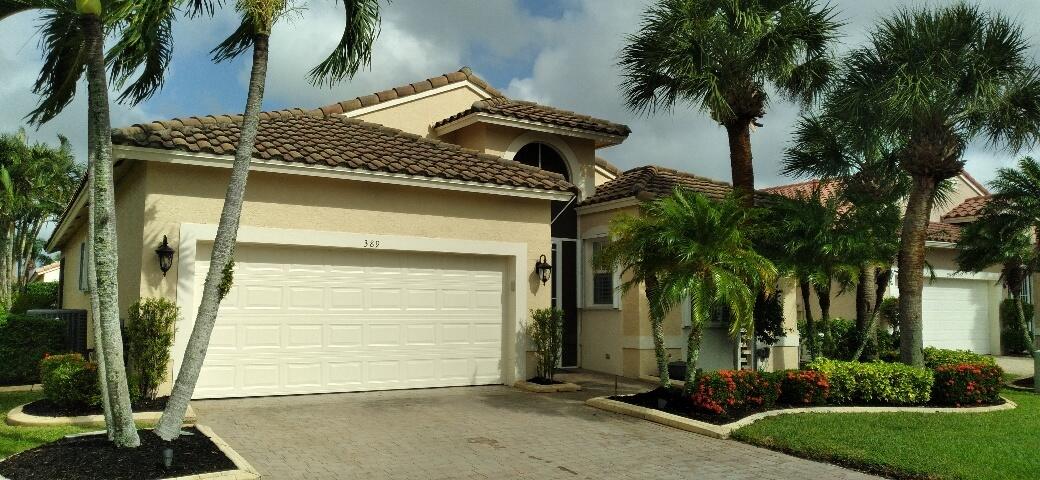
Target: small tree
<point x="545" y="330"/>
<point x="150" y="327"/>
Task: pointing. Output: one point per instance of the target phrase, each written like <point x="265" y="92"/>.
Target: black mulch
<point x="671" y="400"/>
<point x="543" y="381"/>
<point x="1024" y="382"/>
<point x="94" y="457"/>
<point x="47" y="408"/>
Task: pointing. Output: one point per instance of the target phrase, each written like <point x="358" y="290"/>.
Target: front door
<point x="565" y="295"/>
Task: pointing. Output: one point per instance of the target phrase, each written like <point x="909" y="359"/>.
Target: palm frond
<point x="354" y="50"/>
<point x="237" y="43"/>
<point x="145" y="43"/>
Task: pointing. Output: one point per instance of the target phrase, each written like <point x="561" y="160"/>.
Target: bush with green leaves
<point x="936" y="357"/>
<point x="882" y="383"/>
<point x="36" y="295"/>
<point x="23" y="342"/>
<point x="841" y="339"/>
<point x="1012" y="338"/>
<point x="545" y="331"/>
<point x="70" y="381"/>
<point x="889" y="312"/>
<point x="150" y="328"/>
<point x="967" y="384"/>
<point x="769" y="317"/>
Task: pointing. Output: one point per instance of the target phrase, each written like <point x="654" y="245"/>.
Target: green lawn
<point x="996" y="445"/>
<point x="16" y="439"/>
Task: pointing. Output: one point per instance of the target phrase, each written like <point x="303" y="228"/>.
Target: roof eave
<point x="602" y="140"/>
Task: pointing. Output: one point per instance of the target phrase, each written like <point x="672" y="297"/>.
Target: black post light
<point x="165" y="253"/>
<point x="543" y="269"/>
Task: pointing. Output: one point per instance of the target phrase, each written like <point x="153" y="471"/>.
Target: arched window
<point x="540" y="155"/>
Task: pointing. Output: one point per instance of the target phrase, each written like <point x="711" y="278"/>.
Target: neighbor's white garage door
<point x="302" y="320"/>
<point x="956" y="314"/>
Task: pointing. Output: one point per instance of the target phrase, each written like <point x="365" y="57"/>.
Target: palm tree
<point x="723" y="56"/>
<point x="714" y="264"/>
<point x="353" y="52"/>
<point x="636" y="249"/>
<point x="72" y="36"/>
<point x="928" y="82"/>
<point x="999" y="239"/>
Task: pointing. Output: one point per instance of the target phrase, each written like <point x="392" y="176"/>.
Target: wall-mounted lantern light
<point x="165" y="253"/>
<point x="543" y="269"/>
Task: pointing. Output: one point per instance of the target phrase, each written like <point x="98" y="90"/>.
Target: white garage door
<point x="304" y="320"/>
<point x="956" y="314"/>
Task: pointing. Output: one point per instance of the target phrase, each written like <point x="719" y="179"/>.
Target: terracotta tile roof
<point x="967" y="210"/>
<point x="609" y="167"/>
<point x="652" y="181"/>
<point x="410" y="89"/>
<point x="803" y="189"/>
<point x="943" y="232"/>
<point x="309" y="137"/>
<point x="533" y="112"/>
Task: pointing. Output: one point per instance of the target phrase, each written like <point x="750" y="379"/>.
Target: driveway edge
<point x="17" y="418"/>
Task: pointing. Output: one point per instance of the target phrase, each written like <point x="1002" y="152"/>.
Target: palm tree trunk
<point x="169" y="426"/>
<point x="657" y="330"/>
<point x="104" y="239"/>
<point x="865" y="294"/>
<point x="693" y="351"/>
<point x="823" y="296"/>
<point x="6" y="245"/>
<point x="95" y="315"/>
<point x="740" y="162"/>
<point x="810" y="327"/>
<point x="881" y="285"/>
<point x="911" y="270"/>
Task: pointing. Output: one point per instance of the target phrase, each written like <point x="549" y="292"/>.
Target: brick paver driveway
<point x="490" y="432"/>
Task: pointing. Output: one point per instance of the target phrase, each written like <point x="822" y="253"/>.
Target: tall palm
<point x="723" y="57"/>
<point x="715" y="265"/>
<point x="353" y="52"/>
<point x="72" y="36"/>
<point x="998" y="238"/>
<point x="636" y="249"/>
<point x="927" y="83"/>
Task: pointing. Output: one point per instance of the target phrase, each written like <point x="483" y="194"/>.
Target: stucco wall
<point x="418" y="115"/>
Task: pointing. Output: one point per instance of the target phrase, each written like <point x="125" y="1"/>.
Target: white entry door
<point x="956" y="314"/>
<point x="312" y="320"/>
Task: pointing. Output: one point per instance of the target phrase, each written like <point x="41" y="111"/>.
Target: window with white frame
<point x="1027" y="291"/>
<point x="83" y="285"/>
<point x="602" y="280"/>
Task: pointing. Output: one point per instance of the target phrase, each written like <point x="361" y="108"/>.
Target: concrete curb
<point x="17" y="418"/>
<point x="21" y="388"/>
<point x="536" y="388"/>
<point x="724" y="431"/>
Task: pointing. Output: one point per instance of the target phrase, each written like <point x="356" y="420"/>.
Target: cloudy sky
<point x="562" y="53"/>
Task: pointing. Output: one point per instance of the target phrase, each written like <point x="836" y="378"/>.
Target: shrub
<point x="890" y="312"/>
<point x="936" y="357"/>
<point x="1011" y="335"/>
<point x="37" y="295"/>
<point x="967" y="384"/>
<point x="804" y="387"/>
<point x="841" y="340"/>
<point x="150" y="328"/>
<point x="769" y="317"/>
<point x="724" y="392"/>
<point x="23" y="342"/>
<point x="546" y="333"/>
<point x="70" y="381"/>
<point x="875" y="382"/>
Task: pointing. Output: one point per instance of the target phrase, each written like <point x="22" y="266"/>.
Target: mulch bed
<point x="1024" y="382"/>
<point x="47" y="408"/>
<point x="544" y="381"/>
<point x="93" y="457"/>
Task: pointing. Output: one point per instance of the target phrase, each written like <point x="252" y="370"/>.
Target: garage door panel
<point x="956" y="314"/>
<point x="348" y="320"/>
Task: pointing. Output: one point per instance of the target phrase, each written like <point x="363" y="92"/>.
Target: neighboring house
<point x="387" y="241"/>
<point x="47" y="273"/>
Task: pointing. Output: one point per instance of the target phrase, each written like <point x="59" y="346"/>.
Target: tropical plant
<point x="258" y="17"/>
<point x="713" y="264"/>
<point x="875" y="382"/>
<point x="149" y="328"/>
<point x="997" y="239"/>
<point x="937" y="357"/>
<point x="724" y="57"/>
<point x="929" y="81"/>
<point x="545" y="331"/>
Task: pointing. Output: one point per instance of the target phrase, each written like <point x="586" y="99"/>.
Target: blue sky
<point x="561" y="53"/>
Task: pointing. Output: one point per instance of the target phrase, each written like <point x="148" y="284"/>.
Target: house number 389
<point x="371" y="243"/>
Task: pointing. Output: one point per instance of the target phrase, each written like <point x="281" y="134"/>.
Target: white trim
<point x="934" y="244"/>
<point x="191" y="234"/>
<point x="480" y="92"/>
<point x="277" y="166"/>
<point x="570" y="159"/>
<point x="606" y="173"/>
<point x="941" y="273"/>
<point x="601" y="139"/>
<point x="971" y="184"/>
<point x="61" y="229"/>
<point x="609" y="205"/>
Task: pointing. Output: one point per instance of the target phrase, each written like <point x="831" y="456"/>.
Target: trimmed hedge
<point x="723" y="392"/>
<point x="23" y="342"/>
<point x="70" y="381"/>
<point x="1011" y="337"/>
<point x="967" y="384"/>
<point x="804" y="387"/>
<point x="936" y="357"/>
<point x="875" y="382"/>
<point x="37" y="295"/>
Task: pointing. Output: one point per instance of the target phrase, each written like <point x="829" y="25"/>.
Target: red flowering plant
<point x="965" y="384"/>
<point x="804" y="387"/>
<point x="727" y="392"/>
